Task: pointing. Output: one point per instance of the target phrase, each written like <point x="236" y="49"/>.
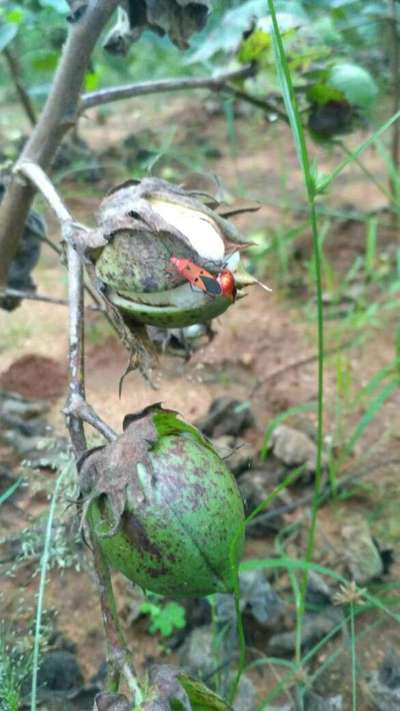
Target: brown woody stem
<point x="78" y="411"/>
<point x="105" y="96"/>
<point x="58" y="115"/>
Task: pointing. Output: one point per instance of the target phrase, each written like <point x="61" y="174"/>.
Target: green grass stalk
<point x="293" y="112"/>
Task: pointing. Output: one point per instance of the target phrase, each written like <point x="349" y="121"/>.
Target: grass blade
<point x="42" y="582"/>
<point x="9" y="492"/>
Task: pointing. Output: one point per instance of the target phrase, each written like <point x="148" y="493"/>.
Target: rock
<point x="318" y="591"/>
<point x="294" y="448"/>
<point x="254" y="490"/>
<point x="383" y="686"/>
<point x="361" y="553"/>
<point x="59" y="671"/>
<point x="314" y="702"/>
<point x="14" y="405"/>
<point x="315" y="626"/>
<point x="227" y="417"/>
<point x="106" y="701"/>
<point x="238" y="454"/>
<point x="245" y="699"/>
<point x="257" y="599"/>
<point x="196" y="653"/>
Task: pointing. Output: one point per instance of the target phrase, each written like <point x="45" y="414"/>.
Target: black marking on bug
<point x="212" y="286"/>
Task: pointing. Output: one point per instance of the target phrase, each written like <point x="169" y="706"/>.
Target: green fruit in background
<point x="163" y="506"/>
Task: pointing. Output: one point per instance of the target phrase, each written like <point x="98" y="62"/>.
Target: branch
<point x="16" y="74"/>
<point x="33" y="296"/>
<point x="77" y="409"/>
<point x="38" y="177"/>
<point x="105" y="96"/>
<point x="58" y="115"/>
<point x="263" y="104"/>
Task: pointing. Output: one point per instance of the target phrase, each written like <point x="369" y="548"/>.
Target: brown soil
<point x="34" y="376"/>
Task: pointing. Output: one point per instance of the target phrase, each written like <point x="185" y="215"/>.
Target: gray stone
<point x="196" y="654"/>
<point x="315" y="627"/>
<point x="361" y="553"/>
<point x="384" y="685"/>
<point x="257" y="598"/>
<point x="294" y="448"/>
<point x="255" y="488"/>
<point x="245" y="699"/>
<point x="314" y="702"/>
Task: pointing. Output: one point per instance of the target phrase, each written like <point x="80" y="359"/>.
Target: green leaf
<point x="92" y="79"/>
<point x="355" y="83"/>
<point x="45" y="61"/>
<point x="7" y="34"/>
<point x="16" y="15"/>
<point x="322" y="92"/>
<point x="200" y="696"/>
<point x="164" y="619"/>
<point x="254" y="46"/>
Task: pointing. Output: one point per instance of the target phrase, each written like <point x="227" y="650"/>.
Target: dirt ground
<point x="264" y="351"/>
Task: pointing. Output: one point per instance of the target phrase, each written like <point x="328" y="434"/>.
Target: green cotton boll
<point x="355" y="83"/>
<point x="164" y="507"/>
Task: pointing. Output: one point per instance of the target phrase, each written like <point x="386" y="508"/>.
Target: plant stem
<point x="33" y="296"/>
<point x="395" y="147"/>
<point x="42" y="585"/>
<point x="76" y="350"/>
<point x="58" y="115"/>
<point x="143" y="88"/>
<point x="16" y="74"/>
<point x="311" y="192"/>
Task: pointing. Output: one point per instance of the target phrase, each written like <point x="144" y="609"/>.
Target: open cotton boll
<point x="199" y="229"/>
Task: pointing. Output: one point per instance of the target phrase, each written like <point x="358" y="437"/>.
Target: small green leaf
<point x="200" y="696"/>
<point x="16" y="15"/>
<point x="45" y="61"/>
<point x="322" y="92"/>
<point x="92" y="79"/>
<point x="7" y="34"/>
<point x="164" y="619"/>
<point x="254" y="46"/>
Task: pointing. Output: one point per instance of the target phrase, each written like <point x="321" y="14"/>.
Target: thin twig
<point x="16" y="74"/>
<point x="38" y="177"/>
<point x="78" y="407"/>
<point x="105" y="96"/>
<point x="263" y="104"/>
<point x="395" y="141"/>
<point x="33" y="296"/>
<point x="76" y="390"/>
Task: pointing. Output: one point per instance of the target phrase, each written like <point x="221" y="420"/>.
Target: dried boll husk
<point x="163" y="506"/>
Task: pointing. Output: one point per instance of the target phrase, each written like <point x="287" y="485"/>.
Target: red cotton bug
<point x="200" y="278"/>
